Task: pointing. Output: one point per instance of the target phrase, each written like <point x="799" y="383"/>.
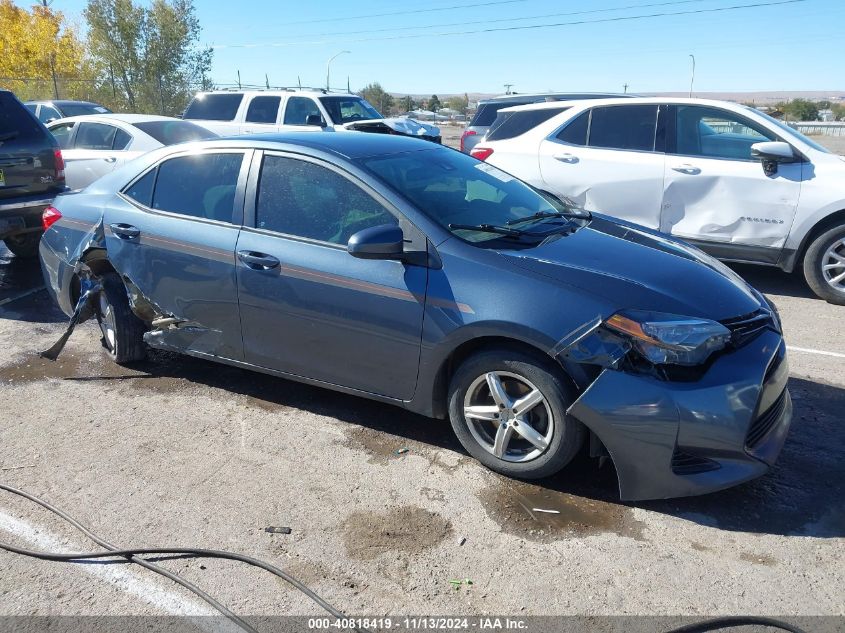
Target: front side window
<point x="303" y="199"/>
<point x="62" y="134"/>
<point x="263" y="110"/>
<point x="349" y="109"/>
<point x="95" y="136"/>
<point x="624" y="127"/>
<point x="198" y="185"/>
<point x="715" y="133"/>
<point x="298" y="109"/>
<point x="214" y="107"/>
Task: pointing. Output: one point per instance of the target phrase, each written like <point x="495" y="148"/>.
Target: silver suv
<point x="489" y="108"/>
<point x="231" y="112"/>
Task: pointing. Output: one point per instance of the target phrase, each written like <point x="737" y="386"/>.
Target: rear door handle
<point x="690" y="170"/>
<point x="110" y="159"/>
<point x="258" y="261"/>
<point x="566" y="158"/>
<point x="125" y="231"/>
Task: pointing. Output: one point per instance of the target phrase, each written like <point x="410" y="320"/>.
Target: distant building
<point x="826" y="116"/>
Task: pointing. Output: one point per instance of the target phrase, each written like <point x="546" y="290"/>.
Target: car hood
<point x="403" y="125"/>
<point x="636" y="268"/>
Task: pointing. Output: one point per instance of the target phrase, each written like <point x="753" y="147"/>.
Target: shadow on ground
<point x="770" y="280"/>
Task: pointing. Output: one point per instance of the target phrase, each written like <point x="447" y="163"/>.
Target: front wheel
<point x="508" y="409"/>
<point x="824" y="265"/>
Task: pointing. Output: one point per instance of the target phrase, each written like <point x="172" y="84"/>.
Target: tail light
<point x="465" y="134"/>
<point x="481" y="153"/>
<point x="50" y="216"/>
<point x="60" y="167"/>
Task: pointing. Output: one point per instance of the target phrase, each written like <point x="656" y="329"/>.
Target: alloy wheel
<point x="508" y="416"/>
<point x="833" y="265"/>
<point x="107" y="322"/>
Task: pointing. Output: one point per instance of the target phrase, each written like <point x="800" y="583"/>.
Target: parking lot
<point x="180" y="452"/>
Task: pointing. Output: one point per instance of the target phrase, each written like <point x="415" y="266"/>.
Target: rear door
<point x="171" y="234"/>
<point x="716" y="192"/>
<point x="262" y="115"/>
<point x="97" y="149"/>
<point x="307" y="306"/>
<point x="609" y="159"/>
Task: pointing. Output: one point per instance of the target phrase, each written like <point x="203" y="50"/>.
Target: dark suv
<point x="31" y="175"/>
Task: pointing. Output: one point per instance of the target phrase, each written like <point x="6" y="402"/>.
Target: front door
<point x="307" y="306"/>
<point x="609" y="159"/>
<point x="171" y="235"/>
<point x="715" y="191"/>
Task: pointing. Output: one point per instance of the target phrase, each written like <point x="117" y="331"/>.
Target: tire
<point x="828" y="249"/>
<point x="519" y="373"/>
<point x="24" y="245"/>
<point x="123" y="332"/>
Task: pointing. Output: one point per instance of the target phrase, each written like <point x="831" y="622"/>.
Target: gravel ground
<point x="181" y="452"/>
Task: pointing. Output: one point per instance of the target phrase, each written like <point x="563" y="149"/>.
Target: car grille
<point x="763" y="424"/>
<point x="747" y="327"/>
<point x="686" y="464"/>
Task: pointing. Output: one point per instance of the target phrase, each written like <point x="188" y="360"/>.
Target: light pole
<point x="692" y="74"/>
<point x="329" y="65"/>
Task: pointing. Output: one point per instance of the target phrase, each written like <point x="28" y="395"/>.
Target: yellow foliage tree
<point x="41" y="54"/>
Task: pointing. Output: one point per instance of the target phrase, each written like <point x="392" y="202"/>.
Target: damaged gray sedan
<point x="412" y="274"/>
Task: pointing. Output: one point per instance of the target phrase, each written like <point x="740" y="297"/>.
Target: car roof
<point x="279" y="92"/>
<point x="570" y="96"/>
<point x="350" y="145"/>
<point x="110" y="116"/>
<point x="624" y="101"/>
<point x="61" y="102"/>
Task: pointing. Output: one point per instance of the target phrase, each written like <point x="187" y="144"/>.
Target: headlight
<point x="669" y="338"/>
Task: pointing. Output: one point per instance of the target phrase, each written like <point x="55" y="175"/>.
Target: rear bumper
<point x="58" y="276"/>
<point x="674" y="439"/>
<point x="23" y="214"/>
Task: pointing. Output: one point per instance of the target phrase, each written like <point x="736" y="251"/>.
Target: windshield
<point x="793" y="132"/>
<point x="172" y="132"/>
<point x="454" y="188"/>
<point x="349" y="109"/>
<point x="78" y="109"/>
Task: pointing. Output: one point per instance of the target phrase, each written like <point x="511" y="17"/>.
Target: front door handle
<point x="690" y="170"/>
<point x="258" y="261"/>
<point x="566" y="158"/>
<point x="125" y="231"/>
<point x="110" y="159"/>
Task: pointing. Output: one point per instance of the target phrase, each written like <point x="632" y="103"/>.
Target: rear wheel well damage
<point x="837" y="218"/>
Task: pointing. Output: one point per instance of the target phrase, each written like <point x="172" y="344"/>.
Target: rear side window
<point x="142" y="189"/>
<point x="624" y="127"/>
<point x="299" y="198"/>
<point x="48" y="113"/>
<point x="62" y="134"/>
<point x="299" y="109"/>
<point x="518" y="123"/>
<point x="95" y="136"/>
<point x="121" y="140"/>
<point x="575" y="132"/>
<point x="16" y="122"/>
<point x="199" y="185"/>
<point x="263" y="110"/>
<point x="487" y="112"/>
<point x="214" y="107"/>
<point x="172" y="132"/>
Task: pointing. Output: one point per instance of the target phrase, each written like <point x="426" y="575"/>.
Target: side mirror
<point x="51" y="119"/>
<point x="384" y="241"/>
<point x="777" y="151"/>
<point x="315" y="119"/>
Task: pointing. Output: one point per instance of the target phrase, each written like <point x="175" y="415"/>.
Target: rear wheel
<point x="824" y="265"/>
<point x="24" y="244"/>
<point x="123" y="332"/>
<point x="508" y="409"/>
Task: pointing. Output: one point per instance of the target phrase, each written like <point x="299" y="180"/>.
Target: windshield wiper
<point x="541" y="215"/>
<point x="489" y="228"/>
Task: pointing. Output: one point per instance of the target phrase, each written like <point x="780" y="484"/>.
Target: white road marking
<point x="820" y="352"/>
<point x="166" y="601"/>
<point x="31" y="291"/>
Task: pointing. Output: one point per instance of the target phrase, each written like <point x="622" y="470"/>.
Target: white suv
<point x="729" y="179"/>
<point x="231" y="112"/>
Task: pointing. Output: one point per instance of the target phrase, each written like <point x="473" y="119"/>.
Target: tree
<point x="149" y="58"/>
<point x="42" y="56"/>
<point x="458" y="103"/>
<point x="800" y="110"/>
<point x="838" y="111"/>
<point x="434" y="103"/>
<point x="378" y="97"/>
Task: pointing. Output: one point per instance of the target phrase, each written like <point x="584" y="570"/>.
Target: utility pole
<point x="46" y="4"/>
<point x="508" y="88"/>
<point x="692" y="74"/>
<point x="329" y="67"/>
<point x="624" y="88"/>
<point x="239" y="80"/>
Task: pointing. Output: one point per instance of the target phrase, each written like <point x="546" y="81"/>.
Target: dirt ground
<point x="181" y="452"/>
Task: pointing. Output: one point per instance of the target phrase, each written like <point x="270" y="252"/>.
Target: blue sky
<point x="791" y="46"/>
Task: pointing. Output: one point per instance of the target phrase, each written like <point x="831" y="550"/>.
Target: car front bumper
<point x="674" y="439"/>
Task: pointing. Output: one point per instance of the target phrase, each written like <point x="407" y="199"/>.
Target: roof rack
<point x="255" y="88"/>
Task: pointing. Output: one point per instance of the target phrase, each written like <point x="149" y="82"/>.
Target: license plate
<point x="2" y="179"/>
<point x="14" y="222"/>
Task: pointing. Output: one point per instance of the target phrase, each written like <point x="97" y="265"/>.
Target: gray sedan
<point x="410" y="273"/>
